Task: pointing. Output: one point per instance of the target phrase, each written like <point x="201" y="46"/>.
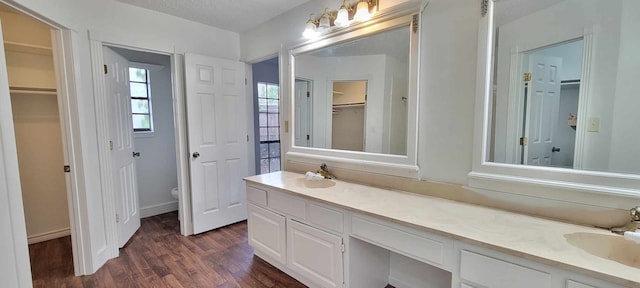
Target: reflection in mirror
<point x="349" y="102"/>
<point x="563" y="84"/>
<point x="353" y="95"/>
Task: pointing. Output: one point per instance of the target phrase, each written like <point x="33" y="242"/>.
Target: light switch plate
<point x="594" y="124"/>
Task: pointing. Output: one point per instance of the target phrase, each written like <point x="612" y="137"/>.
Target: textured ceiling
<point x="232" y="15"/>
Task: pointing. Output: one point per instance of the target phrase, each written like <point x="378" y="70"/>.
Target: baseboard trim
<point x="157" y="209"/>
<point x="46" y="236"/>
<point x="395" y="282"/>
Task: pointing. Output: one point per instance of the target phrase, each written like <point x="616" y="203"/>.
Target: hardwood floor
<point x="158" y="256"/>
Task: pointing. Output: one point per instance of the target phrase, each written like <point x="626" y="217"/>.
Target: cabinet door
<point x="267" y="232"/>
<point x="315" y="254"/>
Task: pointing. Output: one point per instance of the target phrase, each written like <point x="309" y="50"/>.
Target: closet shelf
<point x="32" y="90"/>
<point x="27" y="48"/>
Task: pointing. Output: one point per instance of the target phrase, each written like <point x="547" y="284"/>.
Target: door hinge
<point x="117" y="218"/>
<point x="106" y="70"/>
<point x="523" y="141"/>
<point x="307" y="136"/>
<point x="245" y="81"/>
<point x="414" y="23"/>
<point x="67" y="169"/>
<point x="247" y="138"/>
<point x="526" y="77"/>
<point x="110" y="145"/>
<point x="308" y="94"/>
<point x="342" y="247"/>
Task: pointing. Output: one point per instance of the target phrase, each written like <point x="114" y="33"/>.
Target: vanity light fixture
<point x="358" y="11"/>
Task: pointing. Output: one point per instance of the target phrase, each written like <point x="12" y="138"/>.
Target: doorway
<point x="551" y="97"/>
<point x="266" y="86"/>
<point x="348" y="115"/>
<point x="144" y="152"/>
<point x="38" y="122"/>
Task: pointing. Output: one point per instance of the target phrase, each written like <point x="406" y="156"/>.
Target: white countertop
<point x="537" y="239"/>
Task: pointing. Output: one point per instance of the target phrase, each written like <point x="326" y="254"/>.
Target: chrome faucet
<point x="324" y="171"/>
<point x="631" y="226"/>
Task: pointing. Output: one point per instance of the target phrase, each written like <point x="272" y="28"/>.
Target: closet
<point x="32" y="83"/>
<point x="348" y="115"/>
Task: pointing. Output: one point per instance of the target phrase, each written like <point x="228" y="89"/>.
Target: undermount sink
<point x="324" y="183"/>
<point x="612" y="247"/>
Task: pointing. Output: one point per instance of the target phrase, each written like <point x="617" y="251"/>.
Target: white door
<point x="542" y="114"/>
<point x="217" y="140"/>
<point x="302" y="113"/>
<point x="123" y="163"/>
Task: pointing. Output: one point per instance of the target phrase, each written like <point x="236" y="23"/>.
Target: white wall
<point x="447" y="89"/>
<point x="625" y="155"/>
<point x="156" y="167"/>
<point x="128" y="25"/>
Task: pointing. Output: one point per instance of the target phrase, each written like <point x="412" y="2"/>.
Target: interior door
<point x="217" y="140"/>
<point x="542" y="115"/>
<point x="302" y="113"/>
<point x="122" y="149"/>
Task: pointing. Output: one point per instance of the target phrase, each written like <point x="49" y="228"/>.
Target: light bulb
<point x="325" y="24"/>
<point x="362" y="12"/>
<point x="310" y="30"/>
<point x="342" y="19"/>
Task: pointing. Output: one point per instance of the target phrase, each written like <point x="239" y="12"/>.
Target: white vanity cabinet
<point x="343" y="237"/>
<point x="300" y="237"/>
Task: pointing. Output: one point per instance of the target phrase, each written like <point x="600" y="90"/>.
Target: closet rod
<point x="31" y="90"/>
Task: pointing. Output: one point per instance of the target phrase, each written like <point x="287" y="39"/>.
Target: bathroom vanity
<point x="332" y="233"/>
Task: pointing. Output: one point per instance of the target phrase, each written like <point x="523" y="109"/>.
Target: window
<point x="269" y="127"/>
<point x="140" y="100"/>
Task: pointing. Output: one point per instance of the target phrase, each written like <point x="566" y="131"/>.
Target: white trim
<point x="101" y="105"/>
<point x="158" y="209"/>
<point x="569" y="185"/>
<point x="182" y="146"/>
<point x="583" y="103"/>
<point x="46" y="236"/>
<point x="64" y="42"/>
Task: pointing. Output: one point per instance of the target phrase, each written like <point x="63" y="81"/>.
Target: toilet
<point x="174" y="193"/>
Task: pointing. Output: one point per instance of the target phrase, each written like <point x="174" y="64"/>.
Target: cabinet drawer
<point x="494" y="273"/>
<point x="257" y="196"/>
<point x="267" y="232"/>
<point x="434" y="250"/>
<point x="287" y="204"/>
<point x="325" y="218"/>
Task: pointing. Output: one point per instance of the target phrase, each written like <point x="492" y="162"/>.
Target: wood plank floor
<point x="158" y="256"/>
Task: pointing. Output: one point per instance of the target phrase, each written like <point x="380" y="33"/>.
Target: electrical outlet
<point x="594" y="124"/>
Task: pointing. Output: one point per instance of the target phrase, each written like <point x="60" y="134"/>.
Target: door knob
<point x="136" y="154"/>
<point x="196" y="154"/>
<point x="555" y="149"/>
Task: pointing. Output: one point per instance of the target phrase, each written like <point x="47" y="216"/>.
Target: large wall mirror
<point x="560" y="97"/>
<point x="354" y="94"/>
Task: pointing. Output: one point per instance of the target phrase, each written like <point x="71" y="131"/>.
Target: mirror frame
<point x="388" y="164"/>
<point x="579" y="186"/>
